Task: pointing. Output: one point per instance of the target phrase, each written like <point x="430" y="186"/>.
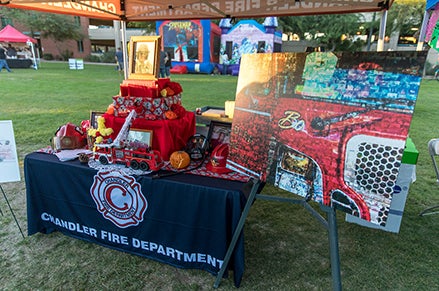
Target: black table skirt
<point x="19" y="63"/>
<point x="188" y="221"/>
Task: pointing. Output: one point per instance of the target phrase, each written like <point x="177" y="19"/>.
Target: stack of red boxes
<point x="149" y="98"/>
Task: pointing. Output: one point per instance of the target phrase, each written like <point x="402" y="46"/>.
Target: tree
<point x="147" y="26"/>
<point x="335" y="32"/>
<point x="48" y="24"/>
<point x="327" y="30"/>
<point x="404" y="15"/>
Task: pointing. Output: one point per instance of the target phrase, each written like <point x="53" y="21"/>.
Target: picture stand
<point x="10" y="208"/>
<point x="330" y="224"/>
<point x="9" y="169"/>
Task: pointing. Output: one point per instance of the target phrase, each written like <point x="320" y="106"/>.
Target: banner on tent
<point x="133" y="10"/>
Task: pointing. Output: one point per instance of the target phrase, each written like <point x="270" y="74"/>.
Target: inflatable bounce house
<point x="193" y="45"/>
<point x="246" y="37"/>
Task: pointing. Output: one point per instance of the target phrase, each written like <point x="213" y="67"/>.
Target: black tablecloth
<point x="188" y="221"/>
<point x="19" y="63"/>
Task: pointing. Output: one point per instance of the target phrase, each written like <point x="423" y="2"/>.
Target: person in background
<point x="24" y="53"/>
<point x="436" y="70"/>
<point x="224" y="60"/>
<point x="3" y="62"/>
<point x="12" y="52"/>
<point x="119" y="59"/>
<point x="163" y="60"/>
<point x="261" y="49"/>
<point x="168" y="65"/>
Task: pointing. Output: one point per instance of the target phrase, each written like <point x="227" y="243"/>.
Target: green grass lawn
<point x="286" y="248"/>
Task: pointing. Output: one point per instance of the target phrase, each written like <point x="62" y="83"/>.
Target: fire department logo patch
<point x="119" y="198"/>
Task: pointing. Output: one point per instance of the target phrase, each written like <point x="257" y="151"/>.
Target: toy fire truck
<point x="122" y="151"/>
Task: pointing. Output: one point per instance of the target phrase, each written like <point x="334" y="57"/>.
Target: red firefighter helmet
<point x="69" y="136"/>
<point x="218" y="159"/>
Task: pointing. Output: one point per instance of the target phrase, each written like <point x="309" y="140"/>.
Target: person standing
<point x="163" y="59"/>
<point x="168" y="65"/>
<point x="119" y="59"/>
<point x="436" y="71"/>
<point x="12" y="52"/>
<point x="224" y="61"/>
<point x="3" y="62"/>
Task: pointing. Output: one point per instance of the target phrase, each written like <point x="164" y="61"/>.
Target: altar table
<point x="184" y="220"/>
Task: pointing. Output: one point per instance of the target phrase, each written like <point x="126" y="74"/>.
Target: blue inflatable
<point x="191" y="43"/>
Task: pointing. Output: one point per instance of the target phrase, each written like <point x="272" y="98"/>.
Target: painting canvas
<point x="330" y="127"/>
<point x="9" y="170"/>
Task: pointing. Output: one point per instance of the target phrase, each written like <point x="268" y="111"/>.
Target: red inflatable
<point x="179" y="70"/>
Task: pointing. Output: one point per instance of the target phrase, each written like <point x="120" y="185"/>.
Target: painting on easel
<point x="9" y="170"/>
<point x="329" y="127"/>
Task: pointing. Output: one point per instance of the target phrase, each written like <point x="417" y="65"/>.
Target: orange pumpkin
<point x="170" y="115"/>
<point x="179" y="159"/>
<point x="110" y="109"/>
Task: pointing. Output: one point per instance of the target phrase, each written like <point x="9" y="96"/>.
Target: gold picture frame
<point x="144" y="53"/>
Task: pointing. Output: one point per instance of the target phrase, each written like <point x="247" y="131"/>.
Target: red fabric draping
<point x="167" y="135"/>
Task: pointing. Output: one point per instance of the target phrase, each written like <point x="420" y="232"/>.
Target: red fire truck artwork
<point x="328" y="127"/>
<point x="121" y="151"/>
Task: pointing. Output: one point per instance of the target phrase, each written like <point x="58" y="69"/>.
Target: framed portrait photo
<point x="219" y="132"/>
<point x="144" y="52"/>
<point x="94" y="118"/>
<point x="140" y="137"/>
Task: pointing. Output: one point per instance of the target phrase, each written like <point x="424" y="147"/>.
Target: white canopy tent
<point x="150" y="10"/>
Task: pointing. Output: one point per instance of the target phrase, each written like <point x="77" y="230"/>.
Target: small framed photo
<point x="219" y="132"/>
<point x="144" y="52"/>
<point x="139" y="138"/>
<point x="94" y="118"/>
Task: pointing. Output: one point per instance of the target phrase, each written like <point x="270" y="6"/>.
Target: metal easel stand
<point x="10" y="208"/>
<point x="330" y="224"/>
<point x="429" y="211"/>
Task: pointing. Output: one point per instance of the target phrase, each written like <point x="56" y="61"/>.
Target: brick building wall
<point x="57" y="49"/>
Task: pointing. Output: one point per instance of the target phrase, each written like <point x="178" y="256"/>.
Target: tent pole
<point x="382" y="33"/>
<point x="33" y="53"/>
<point x="117" y="40"/>
<point x="123" y="29"/>
<point x="423" y="31"/>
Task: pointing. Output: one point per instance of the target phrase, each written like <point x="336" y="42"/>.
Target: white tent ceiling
<point x="150" y="10"/>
